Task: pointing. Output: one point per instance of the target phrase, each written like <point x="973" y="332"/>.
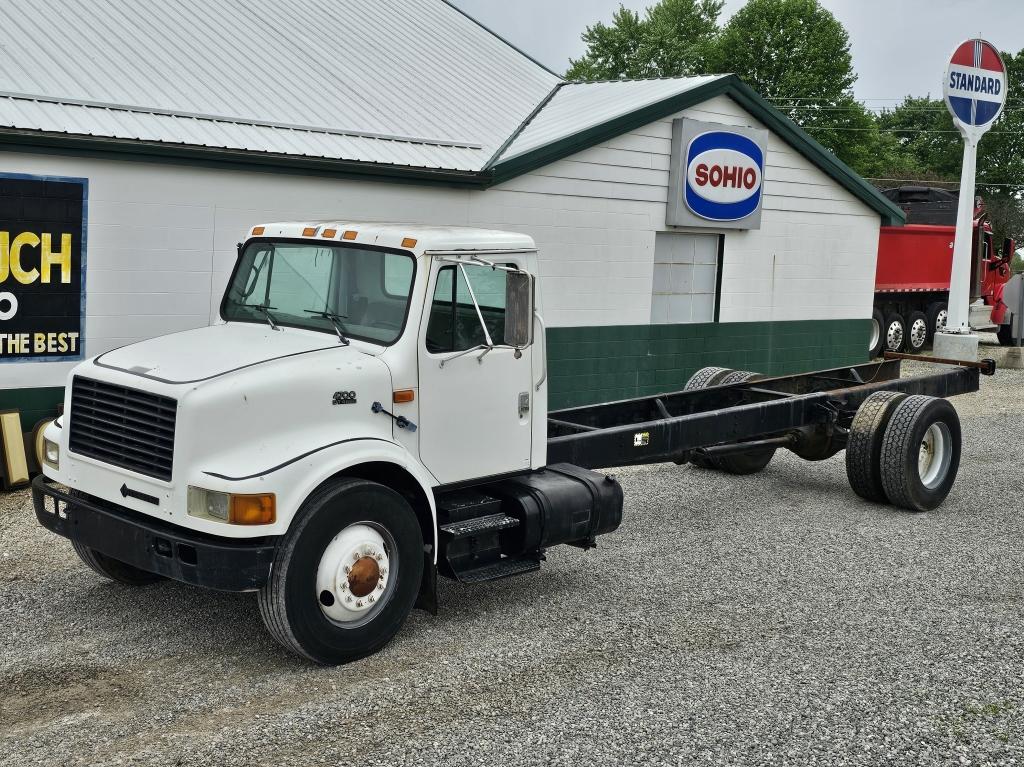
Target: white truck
<point x="371" y="411"/>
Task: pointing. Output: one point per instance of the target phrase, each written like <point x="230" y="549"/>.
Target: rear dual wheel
<point x="738" y="463"/>
<point x="904" y="450"/>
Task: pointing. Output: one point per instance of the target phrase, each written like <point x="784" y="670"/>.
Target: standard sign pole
<point x="975" y="91"/>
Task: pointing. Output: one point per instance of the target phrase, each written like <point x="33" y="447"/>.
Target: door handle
<point x="524" y="403"/>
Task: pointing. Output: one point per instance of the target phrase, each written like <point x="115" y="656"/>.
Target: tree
<point x="797" y="55"/>
<point x="924" y="132"/>
<point x="674" y="38"/>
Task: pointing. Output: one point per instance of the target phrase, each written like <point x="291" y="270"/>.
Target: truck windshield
<point x="334" y="289"/>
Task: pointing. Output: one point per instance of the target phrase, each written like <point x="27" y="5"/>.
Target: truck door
<point x="476" y="405"/>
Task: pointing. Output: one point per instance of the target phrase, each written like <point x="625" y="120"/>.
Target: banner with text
<point x="42" y="268"/>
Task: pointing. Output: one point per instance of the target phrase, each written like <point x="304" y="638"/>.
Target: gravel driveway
<point x="774" y="619"/>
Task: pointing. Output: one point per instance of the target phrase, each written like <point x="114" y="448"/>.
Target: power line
<point x="939" y="181"/>
<point x="908" y="130"/>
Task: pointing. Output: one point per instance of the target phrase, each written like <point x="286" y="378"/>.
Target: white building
<point x="190" y="124"/>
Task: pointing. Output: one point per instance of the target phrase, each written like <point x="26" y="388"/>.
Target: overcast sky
<point x="899" y="47"/>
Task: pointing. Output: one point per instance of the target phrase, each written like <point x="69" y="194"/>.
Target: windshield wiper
<point x="336" y="320"/>
<point x="265" y="311"/>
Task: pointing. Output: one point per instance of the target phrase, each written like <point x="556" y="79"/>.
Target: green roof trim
<point x="742" y="94"/>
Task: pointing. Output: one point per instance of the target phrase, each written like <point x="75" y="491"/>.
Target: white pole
<point x="958" y="320"/>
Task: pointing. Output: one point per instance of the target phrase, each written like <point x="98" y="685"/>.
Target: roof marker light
<point x="329" y="233"/>
<point x="349" y="235"/>
<point x="409" y="242"/>
<point x="309" y="231"/>
<point x="258" y="230"/>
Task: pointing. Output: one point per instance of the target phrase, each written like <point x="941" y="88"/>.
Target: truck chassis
<point x="802" y="411"/>
<point x="902" y="441"/>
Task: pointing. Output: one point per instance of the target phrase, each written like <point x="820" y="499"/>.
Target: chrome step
<point x="503" y="568"/>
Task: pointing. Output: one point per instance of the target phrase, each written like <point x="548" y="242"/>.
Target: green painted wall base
<point x="602" y="364"/>
<point x="34" y="404"/>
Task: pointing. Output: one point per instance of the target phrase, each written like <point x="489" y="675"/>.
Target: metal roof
<point x="577" y="107"/>
<point x="403" y="82"/>
<point x="408" y="88"/>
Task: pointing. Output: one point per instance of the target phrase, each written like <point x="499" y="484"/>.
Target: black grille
<point x="125" y="427"/>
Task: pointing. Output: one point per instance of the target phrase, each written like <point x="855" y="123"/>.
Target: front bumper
<point x="154" y="546"/>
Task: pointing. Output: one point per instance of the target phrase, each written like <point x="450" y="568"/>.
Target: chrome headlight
<point x="208" y="503"/>
<point x="51" y="454"/>
<point x="233" y="508"/>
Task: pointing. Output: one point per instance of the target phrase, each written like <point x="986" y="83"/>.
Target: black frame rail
<point x="669" y="427"/>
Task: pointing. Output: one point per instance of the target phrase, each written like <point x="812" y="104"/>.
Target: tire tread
<point x="862" y="451"/>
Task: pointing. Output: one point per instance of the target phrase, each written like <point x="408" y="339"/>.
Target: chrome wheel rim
<point x="935" y="454"/>
<point x="894" y="336"/>
<point x="940" y="320"/>
<point x="876" y="332"/>
<point x="918" y="333"/>
<point x="357" y="574"/>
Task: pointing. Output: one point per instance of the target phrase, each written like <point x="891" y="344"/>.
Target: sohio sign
<point x="717" y="175"/>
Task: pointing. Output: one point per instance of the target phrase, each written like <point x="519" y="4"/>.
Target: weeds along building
<point x="680" y="222"/>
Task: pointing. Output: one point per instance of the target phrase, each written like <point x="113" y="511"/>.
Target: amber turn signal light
<point x="403" y="395"/>
<point x="253" y="509"/>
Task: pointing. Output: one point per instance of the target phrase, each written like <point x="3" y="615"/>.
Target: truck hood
<point x="198" y="355"/>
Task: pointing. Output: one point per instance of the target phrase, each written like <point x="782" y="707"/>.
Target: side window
<point x="453" y="325"/>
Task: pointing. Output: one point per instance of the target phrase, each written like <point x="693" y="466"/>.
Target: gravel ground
<point x="775" y="619"/>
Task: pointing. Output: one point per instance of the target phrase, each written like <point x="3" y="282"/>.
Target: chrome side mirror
<point x="519" y="295"/>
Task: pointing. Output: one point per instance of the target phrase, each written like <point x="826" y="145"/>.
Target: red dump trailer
<point x="914" y="263"/>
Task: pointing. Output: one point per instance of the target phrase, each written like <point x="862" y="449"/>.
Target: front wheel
<point x="346" y="575"/>
<point x="1005" y="332"/>
<point x="114" y="569"/>
<point x="917" y="332"/>
<point x="895" y="333"/>
<point x="877" y="339"/>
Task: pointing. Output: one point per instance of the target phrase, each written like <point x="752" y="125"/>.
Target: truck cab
<point x="335" y="425"/>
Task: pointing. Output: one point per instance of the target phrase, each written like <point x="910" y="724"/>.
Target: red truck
<point x="912" y="276"/>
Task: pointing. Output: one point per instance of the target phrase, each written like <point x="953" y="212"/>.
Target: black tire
<point x="289" y="603"/>
<point x="114" y="569"/>
<point x="1005" y="332"/>
<point x="706" y="377"/>
<point x="864" y="447"/>
<point x="915" y="423"/>
<point x="894" y="333"/>
<point x="936" y="313"/>
<point x="702" y="379"/>
<point x="737" y="376"/>
<point x="917" y="332"/>
<point x="110" y="568"/>
<point x="739" y="464"/>
<point x="877" y="338"/>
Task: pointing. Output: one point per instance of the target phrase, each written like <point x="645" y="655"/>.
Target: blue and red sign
<point x="975" y="86"/>
<point x="724" y="173"/>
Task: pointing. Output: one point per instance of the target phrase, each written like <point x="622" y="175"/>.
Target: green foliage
<point x="674" y="38"/>
<point x="792" y="52"/>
